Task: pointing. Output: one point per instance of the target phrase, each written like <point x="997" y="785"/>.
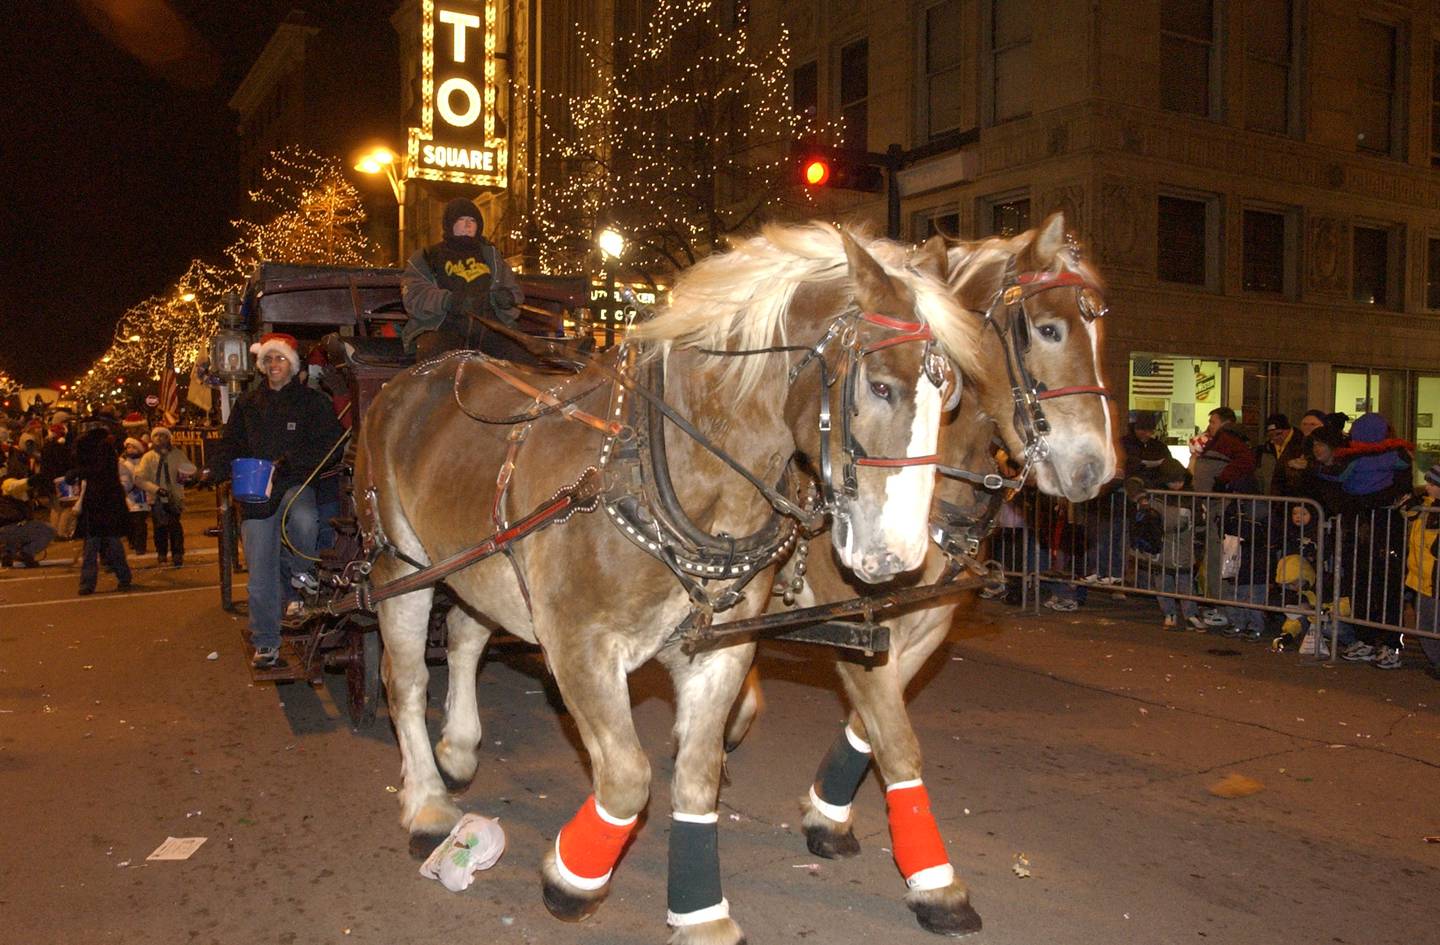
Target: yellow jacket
<point x="1420" y="562"/>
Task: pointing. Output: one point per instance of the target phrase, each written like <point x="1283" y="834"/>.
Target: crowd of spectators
<point x="1248" y="528"/>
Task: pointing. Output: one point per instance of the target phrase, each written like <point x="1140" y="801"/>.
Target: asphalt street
<point x="1070" y="758"/>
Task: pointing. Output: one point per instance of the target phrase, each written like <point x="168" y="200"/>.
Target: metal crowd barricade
<point x="1211" y="550"/>
<point x="1008" y="544"/>
<point x="1380" y="579"/>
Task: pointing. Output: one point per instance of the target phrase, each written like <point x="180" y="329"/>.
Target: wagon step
<point x="291" y="668"/>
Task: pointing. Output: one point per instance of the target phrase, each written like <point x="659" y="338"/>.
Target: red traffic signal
<point x="816" y="172"/>
<point x="836" y="168"/>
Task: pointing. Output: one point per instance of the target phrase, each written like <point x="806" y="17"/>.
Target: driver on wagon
<point x="449" y="284"/>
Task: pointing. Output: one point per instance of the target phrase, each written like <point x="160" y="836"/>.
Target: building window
<point x="854" y="94"/>
<point x="1377" y="101"/>
<point x="1009" y="59"/>
<point x="1269" y="65"/>
<point x="1188" y="236"/>
<point x="1374" y="266"/>
<point x="1432" y="273"/>
<point x="943" y="220"/>
<point x="805" y="94"/>
<point x="1005" y="214"/>
<point x="1435" y="105"/>
<point x="941" y="62"/>
<point x="1266" y="251"/>
<point x="1187" y="56"/>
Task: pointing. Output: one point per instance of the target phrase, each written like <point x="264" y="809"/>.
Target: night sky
<point x="118" y="161"/>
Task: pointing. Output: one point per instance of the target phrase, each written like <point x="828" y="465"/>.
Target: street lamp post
<point x="384" y="161"/>
<point x="611" y="244"/>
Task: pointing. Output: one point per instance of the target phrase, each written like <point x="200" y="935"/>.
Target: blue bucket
<point x="250" y="479"/>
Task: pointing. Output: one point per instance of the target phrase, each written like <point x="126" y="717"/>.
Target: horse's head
<point x="882" y="385"/>
<point x="1039" y="377"/>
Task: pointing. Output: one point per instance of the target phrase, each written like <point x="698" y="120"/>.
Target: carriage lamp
<point x="230" y="348"/>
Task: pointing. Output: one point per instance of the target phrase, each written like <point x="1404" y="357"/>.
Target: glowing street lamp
<point x="382" y="160"/>
<point x="611" y="243"/>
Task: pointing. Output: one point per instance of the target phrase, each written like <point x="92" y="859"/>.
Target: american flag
<point x="169" y="392"/>
<point x="1152" y="377"/>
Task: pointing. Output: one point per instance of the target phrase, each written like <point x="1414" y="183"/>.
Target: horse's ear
<point x="1051" y="238"/>
<point x="875" y="291"/>
<point x="981" y="277"/>
<point x="932" y="258"/>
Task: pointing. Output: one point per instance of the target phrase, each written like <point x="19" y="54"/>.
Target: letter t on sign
<point x="461" y="22"/>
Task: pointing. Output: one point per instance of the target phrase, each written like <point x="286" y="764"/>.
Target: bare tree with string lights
<point x="683" y="141"/>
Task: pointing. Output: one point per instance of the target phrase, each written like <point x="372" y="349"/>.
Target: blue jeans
<point x="271" y="564"/>
<point x="1247" y="618"/>
<point x="112" y="552"/>
<point x="1181" y="582"/>
<point x="1427" y="617"/>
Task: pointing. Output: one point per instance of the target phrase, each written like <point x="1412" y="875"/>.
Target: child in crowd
<point x="1171" y="565"/>
<point x="1422" y="572"/>
<point x="1297" y="571"/>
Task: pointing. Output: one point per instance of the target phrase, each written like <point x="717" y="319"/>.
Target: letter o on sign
<point x="472" y="95"/>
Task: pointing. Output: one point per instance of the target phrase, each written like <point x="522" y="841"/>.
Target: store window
<point x="1374" y="270"/>
<point x="1187" y="248"/>
<point x="855" y="94"/>
<point x="1269" y="66"/>
<point x="1181" y="391"/>
<point x="805" y="94"/>
<point x="1009" y="60"/>
<point x="1005" y="215"/>
<point x="1432" y="273"/>
<point x="1377" y="105"/>
<point x="1188" y="55"/>
<point x="1266" y="265"/>
<point x="941" y="44"/>
<point x="1427" y="422"/>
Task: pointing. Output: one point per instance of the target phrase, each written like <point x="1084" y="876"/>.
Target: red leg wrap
<point x="915" y="837"/>
<point x="590" y="844"/>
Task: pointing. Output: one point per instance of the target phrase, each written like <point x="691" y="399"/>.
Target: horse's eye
<point x="1048" y="332"/>
<point x="880" y="389"/>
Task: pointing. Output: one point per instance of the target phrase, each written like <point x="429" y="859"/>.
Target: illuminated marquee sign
<point x="456" y="139"/>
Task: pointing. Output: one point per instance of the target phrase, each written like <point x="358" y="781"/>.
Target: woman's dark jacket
<point x="102" y="509"/>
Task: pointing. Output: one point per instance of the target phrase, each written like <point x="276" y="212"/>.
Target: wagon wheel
<point x="362" y="677"/>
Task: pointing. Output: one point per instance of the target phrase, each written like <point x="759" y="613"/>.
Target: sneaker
<point x="1358" y="652"/>
<point x="1229" y="630"/>
<point x="85" y="590"/>
<point x="266" y="657"/>
<point x="1109" y="580"/>
<point x="1091" y="578"/>
<point x="1196" y="623"/>
<point x="1214" y="618"/>
<point x="1168" y="624"/>
<point x="1062" y="604"/>
<point x="1387" y="658"/>
<point x="993" y="591"/>
<point x="1253" y="634"/>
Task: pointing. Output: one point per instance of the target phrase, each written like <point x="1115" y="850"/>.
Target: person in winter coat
<point x="1171" y="567"/>
<point x="56" y="458"/>
<point x="1143" y="452"/>
<point x="1283" y="445"/>
<point x="1422" y="571"/>
<point x="1227" y="461"/>
<point x="22" y="538"/>
<point x="1373" y="474"/>
<point x="450" y="283"/>
<point x="294" y="427"/>
<point x="103" y="518"/>
<point x="137" y="500"/>
<point x="162" y="474"/>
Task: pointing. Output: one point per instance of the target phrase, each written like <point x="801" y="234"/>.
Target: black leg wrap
<point x="841" y="772"/>
<point x="694" y="881"/>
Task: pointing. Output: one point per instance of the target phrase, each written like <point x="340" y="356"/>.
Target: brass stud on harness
<point x="1013" y="294"/>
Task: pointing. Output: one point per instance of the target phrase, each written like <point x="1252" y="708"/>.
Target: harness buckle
<point x="993" y="481"/>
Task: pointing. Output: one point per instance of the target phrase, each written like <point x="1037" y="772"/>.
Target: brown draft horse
<point x="793" y="305"/>
<point x="1062" y="356"/>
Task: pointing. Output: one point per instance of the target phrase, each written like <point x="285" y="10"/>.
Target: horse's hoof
<point x="423" y="844"/>
<point x="831" y="844"/>
<point x="569" y="906"/>
<point x="944" y="911"/>
<point x="456" y="785"/>
<point x="718" y="932"/>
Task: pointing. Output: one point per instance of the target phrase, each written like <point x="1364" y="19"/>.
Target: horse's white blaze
<point x="905" y="518"/>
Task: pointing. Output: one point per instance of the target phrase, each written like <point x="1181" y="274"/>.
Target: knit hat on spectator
<point x="158" y="432"/>
<point x="1432" y="475"/>
<point x="1145" y="420"/>
<point x="1277" y="421"/>
<point x="277" y="343"/>
<point x="459" y="208"/>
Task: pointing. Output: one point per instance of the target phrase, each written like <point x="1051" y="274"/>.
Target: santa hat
<point x="159" y="432"/>
<point x="132" y="420"/>
<point x="57" y="430"/>
<point x="277" y="343"/>
<point x="131" y="441"/>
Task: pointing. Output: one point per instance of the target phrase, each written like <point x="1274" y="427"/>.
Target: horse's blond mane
<point x="737" y="300"/>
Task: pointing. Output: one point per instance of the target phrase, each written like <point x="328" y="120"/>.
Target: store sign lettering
<point x="456" y="139"/>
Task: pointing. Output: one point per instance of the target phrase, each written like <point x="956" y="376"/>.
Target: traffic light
<point x="836" y="168"/>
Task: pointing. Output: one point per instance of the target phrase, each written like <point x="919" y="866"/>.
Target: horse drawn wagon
<point x="348" y="318"/>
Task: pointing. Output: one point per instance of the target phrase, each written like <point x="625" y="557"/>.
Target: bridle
<point x="1026" y="391"/>
<point x="846" y="328"/>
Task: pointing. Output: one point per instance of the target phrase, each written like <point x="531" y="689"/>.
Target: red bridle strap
<point x="931" y="460"/>
<point x="895" y="324"/>
<point x="1051" y="279"/>
<point x="1076" y="389"/>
